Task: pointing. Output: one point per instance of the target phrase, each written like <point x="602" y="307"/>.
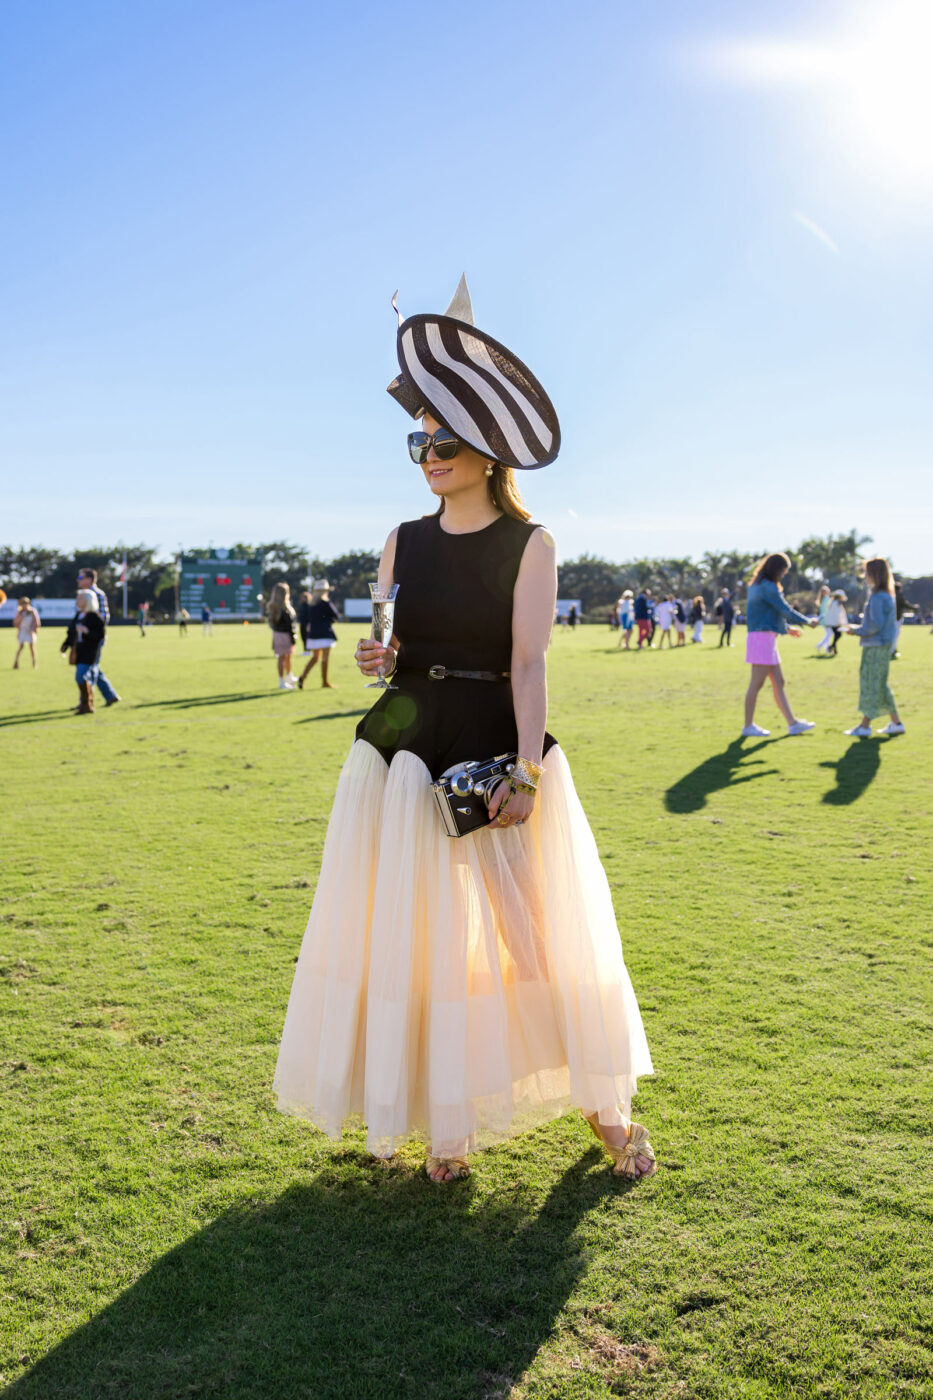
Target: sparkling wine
<point x="383" y="622"/>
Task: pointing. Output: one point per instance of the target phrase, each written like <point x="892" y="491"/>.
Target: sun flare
<point x="872" y="78"/>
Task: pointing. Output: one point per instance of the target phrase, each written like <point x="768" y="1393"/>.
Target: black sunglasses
<point x="445" y="445"/>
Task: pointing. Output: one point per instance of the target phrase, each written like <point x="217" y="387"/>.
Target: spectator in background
<point x="142" y="617"/>
<point x="665" y="616"/>
<point x="697" y="617"/>
<point x="877" y="633"/>
<point x="83" y="640"/>
<point x="626" y="607"/>
<point x="767" y="614"/>
<point x="680" y="622"/>
<point x="836" y="618"/>
<point x="304" y="619"/>
<point x="572" y="617"/>
<point x="282" y="620"/>
<point x="902" y="606"/>
<point x="643" y="618"/>
<point x="182" y="617"/>
<point x="322" y="638"/>
<point x="823" y="603"/>
<point x="726" y="610"/>
<point x="87" y="578"/>
<point x="27" y="623"/>
<point x="207" y="621"/>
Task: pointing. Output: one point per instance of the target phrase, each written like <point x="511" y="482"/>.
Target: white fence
<point x="49" y="609"/>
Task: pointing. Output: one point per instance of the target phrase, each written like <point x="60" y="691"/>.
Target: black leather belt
<point x="442" y="673"/>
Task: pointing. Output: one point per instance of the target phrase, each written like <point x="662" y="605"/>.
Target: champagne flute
<point x="383" y="622"/>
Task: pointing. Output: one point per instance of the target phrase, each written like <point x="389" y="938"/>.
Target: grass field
<point x="167" y="1234"/>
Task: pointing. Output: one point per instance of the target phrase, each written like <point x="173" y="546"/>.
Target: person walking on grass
<point x="643" y="617"/>
<point x="836" y="618"/>
<point x="680" y="622"/>
<point x="183" y="617"/>
<point x="466" y="989"/>
<point x="321" y="638"/>
<point x="87" y="578"/>
<point x="27" y="623"/>
<point x="767" y="616"/>
<point x="665" y="616"/>
<point x="823" y="603"/>
<point x="626" y="619"/>
<point x="697" y="617"/>
<point x="207" y="621"/>
<point x="726" y="609"/>
<point x="282" y="620"/>
<point x="83" y="641"/>
<point x="877" y="634"/>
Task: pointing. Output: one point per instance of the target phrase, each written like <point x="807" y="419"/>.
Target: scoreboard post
<point x="228" y="586"/>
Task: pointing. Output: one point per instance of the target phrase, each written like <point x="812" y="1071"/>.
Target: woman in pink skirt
<point x="768" y="614"/>
<point x="282" y="619"/>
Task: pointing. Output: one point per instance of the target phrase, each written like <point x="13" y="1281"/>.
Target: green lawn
<point x="167" y="1234"/>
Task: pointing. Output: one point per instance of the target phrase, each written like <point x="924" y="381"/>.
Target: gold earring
<point x="489" y="469"/>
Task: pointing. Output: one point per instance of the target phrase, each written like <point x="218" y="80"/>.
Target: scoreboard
<point x="228" y="586"/>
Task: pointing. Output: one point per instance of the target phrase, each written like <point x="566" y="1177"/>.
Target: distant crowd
<point x="644" y="622"/>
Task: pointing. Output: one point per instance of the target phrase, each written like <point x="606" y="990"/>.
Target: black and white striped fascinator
<point x="474" y="387"/>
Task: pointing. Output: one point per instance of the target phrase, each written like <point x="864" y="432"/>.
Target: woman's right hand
<point x="369" y="656"/>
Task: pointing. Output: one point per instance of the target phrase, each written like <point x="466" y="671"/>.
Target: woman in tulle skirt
<point x="464" y="989"/>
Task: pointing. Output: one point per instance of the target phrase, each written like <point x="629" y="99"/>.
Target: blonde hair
<point x="25" y="602"/>
<point x="878" y="573"/>
<point x="280" y="602"/>
<point x="90" y="599"/>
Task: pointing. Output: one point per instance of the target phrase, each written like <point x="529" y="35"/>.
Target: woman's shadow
<point x="854" y="771"/>
<point x="734" y="765"/>
<point x="365" y="1282"/>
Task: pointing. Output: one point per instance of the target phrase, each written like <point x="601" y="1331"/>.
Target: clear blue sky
<point x="705" y="225"/>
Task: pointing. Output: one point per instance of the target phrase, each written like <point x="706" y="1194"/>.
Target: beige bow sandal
<point x="625" y="1159"/>
<point x="458" y="1167"/>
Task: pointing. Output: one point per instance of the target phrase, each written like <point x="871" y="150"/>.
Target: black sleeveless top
<point x="454" y="608"/>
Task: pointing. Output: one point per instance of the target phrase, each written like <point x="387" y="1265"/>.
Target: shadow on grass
<point x="721" y="770"/>
<point x="855" y="770"/>
<point x="366" y="1282"/>
<point x="191" y="702"/>
<point x="36" y="717"/>
<point x="332" y="714"/>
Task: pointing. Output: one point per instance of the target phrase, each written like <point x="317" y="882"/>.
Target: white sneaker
<point x="282" y="684"/>
<point x="290" y="682"/>
<point x="801" y="726"/>
<point x="892" y="728"/>
<point x="755" y="731"/>
<point x="861" y="731"/>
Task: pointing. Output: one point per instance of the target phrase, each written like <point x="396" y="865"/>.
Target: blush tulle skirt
<point x="460" y="991"/>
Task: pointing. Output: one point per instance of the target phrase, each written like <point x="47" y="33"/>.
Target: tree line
<point x="597" y="582"/>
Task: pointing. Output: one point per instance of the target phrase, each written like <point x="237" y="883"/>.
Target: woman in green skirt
<point x="877" y="632"/>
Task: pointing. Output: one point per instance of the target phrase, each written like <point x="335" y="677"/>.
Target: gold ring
<point x="503" y="821"/>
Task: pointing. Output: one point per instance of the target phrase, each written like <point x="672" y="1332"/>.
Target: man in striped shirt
<point x="87" y="578"/>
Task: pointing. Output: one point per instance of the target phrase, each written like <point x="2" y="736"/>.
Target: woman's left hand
<point x="519" y="809"/>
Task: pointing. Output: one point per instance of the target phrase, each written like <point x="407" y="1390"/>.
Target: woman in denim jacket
<point x="877" y="633"/>
<point x="767" y="615"/>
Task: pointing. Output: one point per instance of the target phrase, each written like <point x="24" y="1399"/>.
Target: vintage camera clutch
<point x="463" y="797"/>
